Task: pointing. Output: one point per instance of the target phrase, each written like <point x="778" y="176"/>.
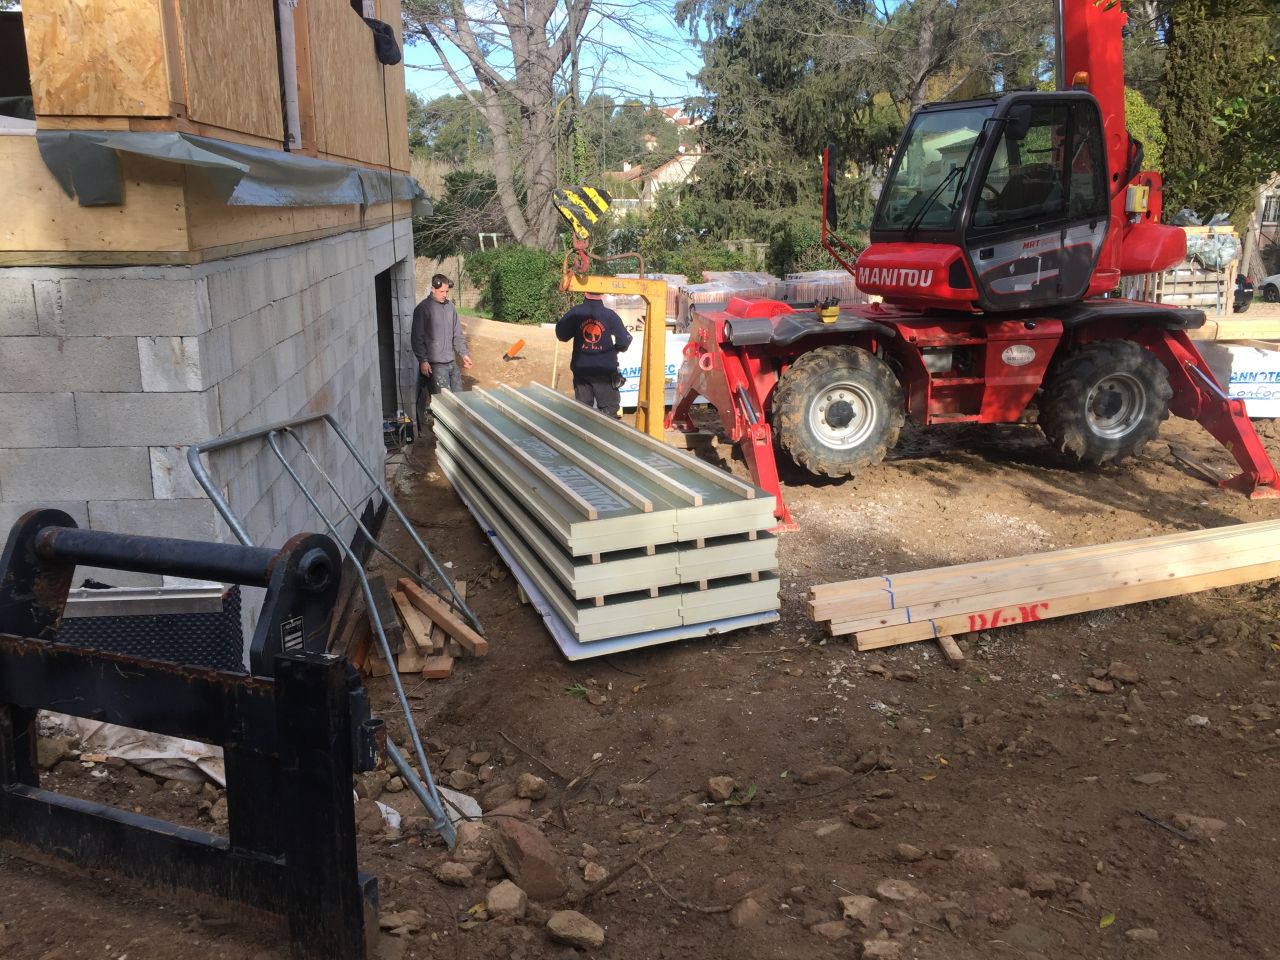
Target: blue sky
<point x="656" y="58"/>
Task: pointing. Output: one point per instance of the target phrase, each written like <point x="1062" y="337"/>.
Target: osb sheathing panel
<point x="233" y="71"/>
<point x="39" y="216"/>
<point x="347" y="85"/>
<point x="98" y="59"/>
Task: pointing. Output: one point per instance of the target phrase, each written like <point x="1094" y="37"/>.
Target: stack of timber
<point x="425" y="634"/>
<point x="618" y="540"/>
<point x="925" y="604"/>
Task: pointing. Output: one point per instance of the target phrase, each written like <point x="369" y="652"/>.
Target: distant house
<point x="1269" y="225"/>
<point x="680" y="118"/>
<point x="638" y="185"/>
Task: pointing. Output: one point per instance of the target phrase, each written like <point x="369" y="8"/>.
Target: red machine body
<point x="1001" y="225"/>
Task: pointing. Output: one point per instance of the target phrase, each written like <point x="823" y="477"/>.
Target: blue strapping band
<point x="893" y="603"/>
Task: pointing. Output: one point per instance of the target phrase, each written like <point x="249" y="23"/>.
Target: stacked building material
<point x="675" y="282"/>
<point x="620" y="541"/>
<point x="816" y="285"/>
<point x="720" y="287"/>
<point x="925" y="604"/>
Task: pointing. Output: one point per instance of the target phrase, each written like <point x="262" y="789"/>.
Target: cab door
<point x="1038" y="211"/>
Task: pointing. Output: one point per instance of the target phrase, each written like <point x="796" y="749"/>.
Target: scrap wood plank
<point x="439" y="667"/>
<point x="951" y="651"/>
<point x="1248" y="552"/>
<point x="417" y="630"/>
<point x="1064" y="606"/>
<point x="386" y="613"/>
<point x="828" y="597"/>
<point x="468" y="639"/>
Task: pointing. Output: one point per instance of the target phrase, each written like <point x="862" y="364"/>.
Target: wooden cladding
<point x="93" y="59"/>
<point x="232" y="65"/>
<point x="212" y="67"/>
<point x="349" y="87"/>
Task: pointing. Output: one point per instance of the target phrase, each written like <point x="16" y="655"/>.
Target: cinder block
<point x="188" y="519"/>
<point x="116" y="306"/>
<point x="171" y="476"/>
<point x="214" y="350"/>
<point x="234" y="399"/>
<point x="228" y="295"/>
<point x="249" y="337"/>
<point x="34" y="364"/>
<point x="85" y="473"/>
<point x="17" y="308"/>
<point x="146" y="419"/>
<point x="170" y="364"/>
<point x="38" y="420"/>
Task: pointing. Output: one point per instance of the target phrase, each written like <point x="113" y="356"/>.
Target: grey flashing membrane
<point x="86" y="165"/>
<point x="620" y="541"/>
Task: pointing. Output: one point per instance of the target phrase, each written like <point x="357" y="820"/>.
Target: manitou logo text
<point x="894" y="277"/>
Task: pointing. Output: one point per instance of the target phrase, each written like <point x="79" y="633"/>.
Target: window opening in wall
<point x="17" y="112"/>
<point x="1271" y="209"/>
<point x="387" y="366"/>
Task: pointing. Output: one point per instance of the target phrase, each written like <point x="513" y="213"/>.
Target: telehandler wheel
<point x="837" y="409"/>
<point x="1104" y="401"/>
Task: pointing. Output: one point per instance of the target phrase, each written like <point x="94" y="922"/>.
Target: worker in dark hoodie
<point x="438" y="345"/>
<point x="598" y="337"/>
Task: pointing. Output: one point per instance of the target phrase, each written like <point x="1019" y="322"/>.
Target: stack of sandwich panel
<point x="619" y="541"/>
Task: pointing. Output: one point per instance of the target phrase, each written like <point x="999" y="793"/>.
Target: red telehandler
<point x="1002" y="226"/>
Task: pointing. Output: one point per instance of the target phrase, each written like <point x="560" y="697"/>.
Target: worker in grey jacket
<point x="438" y="342"/>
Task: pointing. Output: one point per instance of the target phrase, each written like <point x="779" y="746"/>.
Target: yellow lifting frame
<point x="651" y="409"/>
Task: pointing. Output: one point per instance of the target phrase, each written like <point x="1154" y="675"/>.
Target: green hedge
<point x="518" y="284"/>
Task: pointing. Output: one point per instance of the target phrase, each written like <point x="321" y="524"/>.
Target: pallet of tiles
<point x="623" y="540"/>
<point x="817" y="285"/>
<point x="925" y="604"/>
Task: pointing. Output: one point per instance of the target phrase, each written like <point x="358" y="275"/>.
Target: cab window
<point x="1048" y="169"/>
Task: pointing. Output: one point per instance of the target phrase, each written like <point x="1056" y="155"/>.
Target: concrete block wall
<point x="107" y="374"/>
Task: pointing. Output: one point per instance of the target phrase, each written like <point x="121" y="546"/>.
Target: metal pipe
<point x="440" y="822"/>
<point x="223" y="562"/>
<point x="404" y="521"/>
<point x="221" y="443"/>
<point x="351" y="512"/>
<point x="419" y="752"/>
<point x="196" y="450"/>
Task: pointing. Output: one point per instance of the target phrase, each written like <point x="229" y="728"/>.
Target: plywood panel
<point x="233" y="70"/>
<point x="92" y="58"/>
<point x="39" y="216"/>
<point x="348" y="90"/>
<point x="396" y="104"/>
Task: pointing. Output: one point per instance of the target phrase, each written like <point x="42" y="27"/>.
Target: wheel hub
<point x="843" y="415"/>
<point x="1115" y="405"/>
<point x="840" y="414"/>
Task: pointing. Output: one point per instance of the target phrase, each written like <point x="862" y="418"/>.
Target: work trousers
<point x="601" y="394"/>
<point x="442" y="376"/>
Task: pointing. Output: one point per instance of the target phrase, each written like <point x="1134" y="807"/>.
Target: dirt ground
<point x="1021" y="814"/>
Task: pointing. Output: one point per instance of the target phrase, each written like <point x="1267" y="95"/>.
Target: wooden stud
<point x="951" y="651"/>
<point x="413" y="625"/>
<point x="1205" y="561"/>
<point x="467" y="638"/>
<point x="439" y="667"/>
<point x="1065" y="606"/>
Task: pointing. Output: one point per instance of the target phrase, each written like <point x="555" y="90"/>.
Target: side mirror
<point x="830" y="213"/>
<point x="1018" y="121"/>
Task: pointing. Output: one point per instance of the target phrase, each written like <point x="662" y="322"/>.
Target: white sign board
<point x="1255" y="379"/>
<point x="629" y="366"/>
